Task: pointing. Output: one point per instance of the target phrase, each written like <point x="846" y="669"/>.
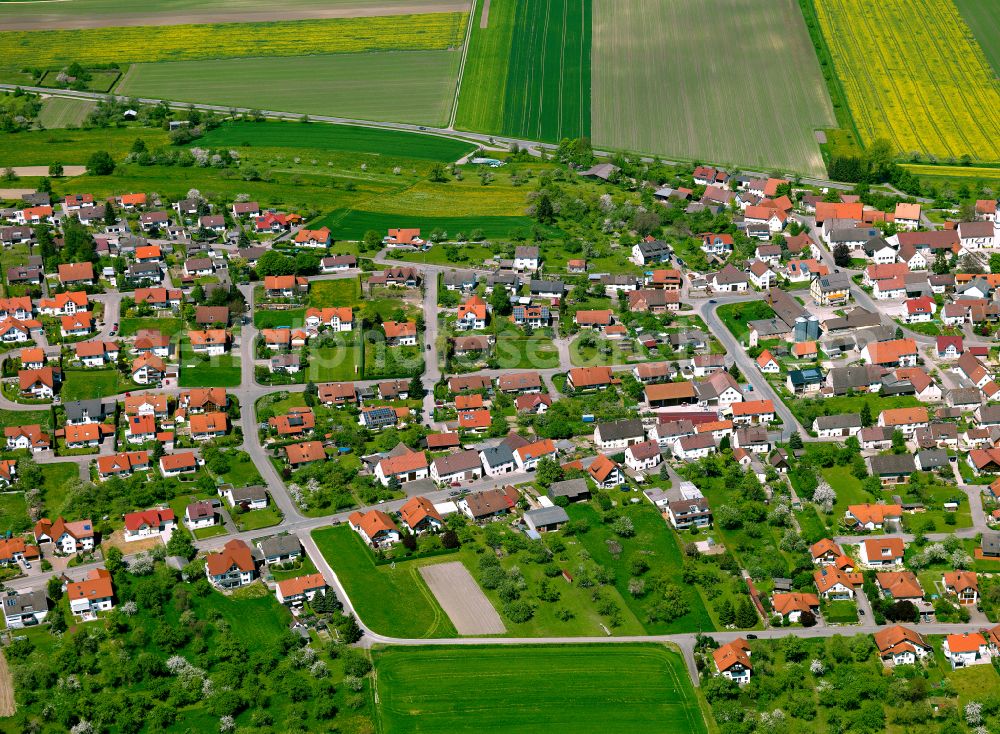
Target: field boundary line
<point x="461" y="65"/>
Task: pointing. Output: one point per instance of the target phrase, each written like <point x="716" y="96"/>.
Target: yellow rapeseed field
<point x="914" y="74"/>
<point x="55" y="49"/>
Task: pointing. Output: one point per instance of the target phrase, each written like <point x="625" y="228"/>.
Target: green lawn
<point x="167" y="326"/>
<point x="13" y="513"/>
<point x="351" y="224"/>
<point x="571" y="689"/>
<point x="652" y="537"/>
<point x="385" y="362"/>
<point x="210" y="532"/>
<point x="336" y="363"/>
<point x="343" y="138"/>
<point x="257" y="519"/>
<point x="841" y="612"/>
<point x="26" y="417"/>
<point x="525" y="353"/>
<point x="736" y="316"/>
<point x="586" y="355"/>
<point x="86" y="384"/>
<point x="292" y="318"/>
<point x="391" y="601"/>
<point x="339" y="292"/>
<point x="242" y="472"/>
<point x="354" y="85"/>
<point x="220" y="371"/>
<point x="57" y="478"/>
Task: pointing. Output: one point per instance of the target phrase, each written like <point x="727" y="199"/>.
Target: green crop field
<point x="528" y="71"/>
<point x="342" y="138"/>
<point x="914" y="74"/>
<point x="64" y="112"/>
<point x="96" y="13"/>
<point x="576" y="689"/>
<point x="714" y="80"/>
<point x="399" y="86"/>
<point x="984" y="20"/>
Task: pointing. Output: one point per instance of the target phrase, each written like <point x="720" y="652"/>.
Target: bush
<point x="518" y="611"/>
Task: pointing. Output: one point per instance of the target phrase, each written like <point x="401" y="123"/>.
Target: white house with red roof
<point x="149" y="523"/>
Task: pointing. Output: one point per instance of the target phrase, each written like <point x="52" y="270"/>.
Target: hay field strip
<point x="57" y="48"/>
<point x="735" y="82"/>
<point x="76" y="14"/>
<point x="557" y="689"/>
<point x="397" y="86"/>
<point x="484" y="81"/>
<point x="914" y="74"/>
<point x="61" y="112"/>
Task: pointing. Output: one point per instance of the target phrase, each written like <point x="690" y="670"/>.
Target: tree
<point x="547" y="472"/>
<point x="274" y="263"/>
<point x="807" y="619"/>
<point x="841" y="255"/>
<point x="727" y="615"/>
<point x="410" y="542"/>
<point x="113" y="561"/>
<point x="350" y="631"/>
<point x="180" y="544"/>
<point x="56" y="170"/>
<point x="110" y="215"/>
<point x="866" y="415"/>
<point x="449" y="539"/>
<point x="544" y="211"/>
<point x="994" y="263"/>
<point x="500" y="301"/>
<point x="100" y="163"/>
<point x="438" y="174"/>
<point x="898" y="442"/>
<point x="795" y="441"/>
<point x="372" y="240"/>
<point x="941" y="265"/>
<point x="746" y="615"/>
<point x="54" y="589"/>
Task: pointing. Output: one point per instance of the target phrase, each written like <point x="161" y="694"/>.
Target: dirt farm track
<point x="33" y="15"/>
<point x="7" y="706"/>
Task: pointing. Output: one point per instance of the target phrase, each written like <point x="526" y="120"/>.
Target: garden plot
<point x="462" y="600"/>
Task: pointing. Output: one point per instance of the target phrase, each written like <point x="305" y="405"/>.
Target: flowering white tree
<point x="84" y="727"/>
<point x="816" y="667"/>
<point x="973" y="713"/>
<point x="825" y="496"/>
<point x="227" y="723"/>
<point x="961" y="559"/>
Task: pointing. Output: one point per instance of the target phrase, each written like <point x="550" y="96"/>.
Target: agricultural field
<point x="54" y="49"/>
<point x="63" y="112"/>
<point x="658" y="89"/>
<point x="359" y="141"/>
<point x="914" y="74"/>
<point x="100" y="13"/>
<point x="357" y="86"/>
<point x="983" y="19"/>
<point x="528" y="71"/>
<point x="576" y="689"/>
<point x="956" y="176"/>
